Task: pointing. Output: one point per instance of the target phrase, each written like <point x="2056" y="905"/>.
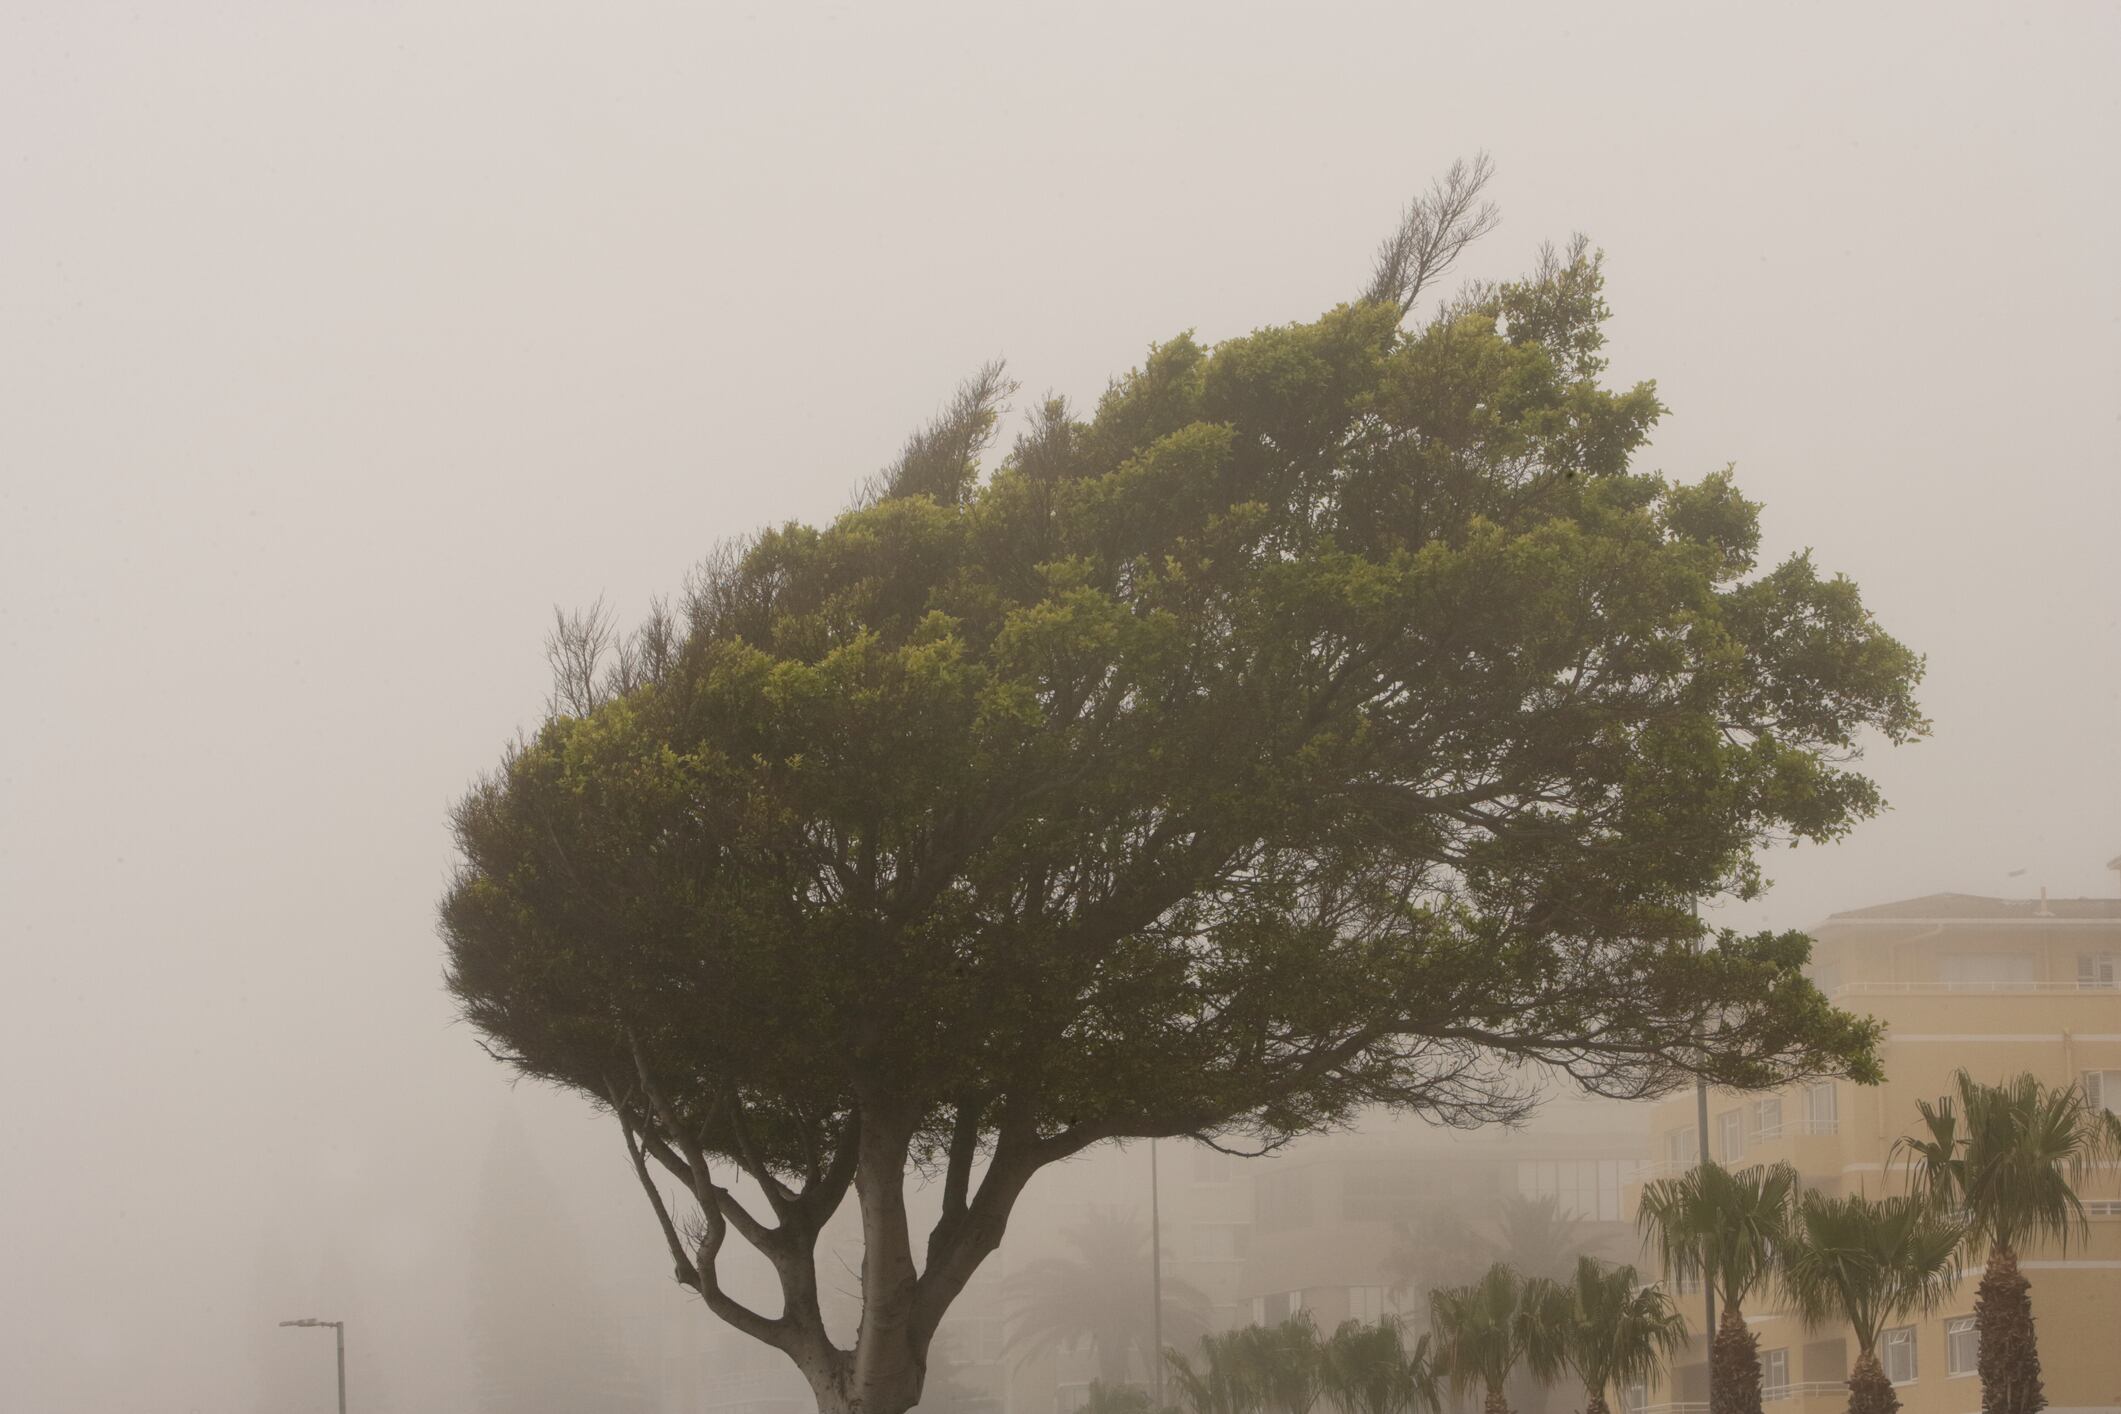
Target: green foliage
<point x="1369" y="1369"/>
<point x="1868" y="1263"/>
<point x="1221" y="1384"/>
<point x="1278" y="1369"/>
<point x="1616" y="1330"/>
<point x="2010" y="1157"/>
<point x="1487" y="1329"/>
<point x="1332" y="653"/>
<point x="1333" y="719"/>
<point x="1713" y="1224"/>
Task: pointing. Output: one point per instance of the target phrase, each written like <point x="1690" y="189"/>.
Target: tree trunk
<point x="1596" y="1404"/>
<point x="1496" y="1404"/>
<point x="1734" y="1366"/>
<point x="2009" y="1358"/>
<point x="1870" y="1392"/>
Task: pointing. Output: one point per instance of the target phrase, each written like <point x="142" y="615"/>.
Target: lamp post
<point x="1156" y="1283"/>
<point x="338" y="1329"/>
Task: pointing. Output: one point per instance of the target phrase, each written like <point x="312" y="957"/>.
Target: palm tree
<point x="1285" y="1364"/>
<point x="1869" y="1263"/>
<point x="1100" y="1296"/>
<point x="1618" y="1330"/>
<point x="1222" y="1385"/>
<point x="2007" y="1158"/>
<point x="1485" y="1330"/>
<point x="1537" y="1238"/>
<point x="1369" y="1370"/>
<point x="1723" y="1228"/>
<point x="1440" y="1248"/>
<point x="1117" y="1399"/>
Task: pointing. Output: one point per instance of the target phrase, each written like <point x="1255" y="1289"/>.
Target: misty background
<point x="339" y="343"/>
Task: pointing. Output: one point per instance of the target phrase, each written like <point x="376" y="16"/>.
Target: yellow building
<point x="1993" y="986"/>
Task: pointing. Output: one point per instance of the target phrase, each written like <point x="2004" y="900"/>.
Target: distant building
<point x="1994" y="986"/>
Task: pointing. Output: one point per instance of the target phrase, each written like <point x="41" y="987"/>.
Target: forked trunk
<point x="2009" y="1357"/>
<point x="1734" y="1366"/>
<point x="1496" y="1403"/>
<point x="1870" y="1392"/>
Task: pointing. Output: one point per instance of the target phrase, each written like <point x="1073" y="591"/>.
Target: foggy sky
<point x="339" y="342"/>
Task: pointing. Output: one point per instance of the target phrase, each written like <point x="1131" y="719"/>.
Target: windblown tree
<point x="1617" y="1330"/>
<point x="1868" y="1263"/>
<point x="1223" y="1380"/>
<point x="1537" y="1238"/>
<point x="1368" y="1368"/>
<point x="1439" y="1247"/>
<point x="1486" y="1330"/>
<point x="1284" y="1364"/>
<point x="1332" y="719"/>
<point x="1103" y="1296"/>
<point x="1723" y="1227"/>
<point x="2009" y="1157"/>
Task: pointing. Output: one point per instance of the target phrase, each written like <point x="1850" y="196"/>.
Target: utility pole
<point x="1708" y="1275"/>
<point x="1708" y="1281"/>
<point x="338" y="1329"/>
<point x="1156" y="1283"/>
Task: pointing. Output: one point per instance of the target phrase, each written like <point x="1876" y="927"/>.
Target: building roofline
<point x="1913" y="920"/>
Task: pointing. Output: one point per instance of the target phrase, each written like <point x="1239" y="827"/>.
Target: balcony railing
<point x="1873" y="989"/>
<point x="1793" y="1127"/>
<point x="1769" y="1395"/>
<point x="1810" y="1387"/>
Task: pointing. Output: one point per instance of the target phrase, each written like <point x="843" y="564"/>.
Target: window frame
<point x="1770" y="1360"/>
<point x="1957" y="1326"/>
<point x="1899" y="1337"/>
<point x="1731" y="1125"/>
<point x="2102" y="1089"/>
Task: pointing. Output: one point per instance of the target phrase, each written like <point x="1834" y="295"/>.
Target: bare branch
<point x="942" y="459"/>
<point x="1434" y="230"/>
<point x="575" y="648"/>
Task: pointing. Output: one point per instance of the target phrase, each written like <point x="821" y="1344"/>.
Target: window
<point x="1211" y="1165"/>
<point x="1635" y="1398"/>
<point x="1730" y="1135"/>
<point x="1767" y="1117"/>
<point x="1682" y="1146"/>
<point x="1822" y="1110"/>
<point x="1586" y="1189"/>
<point x="1775" y="1374"/>
<point x="1826" y="976"/>
<point x="1962" y="1346"/>
<point x="1367" y="1304"/>
<point x="1273" y="1310"/>
<point x="1221" y="1242"/>
<point x="1896" y="1351"/>
<point x="2098" y="969"/>
<point x="2102" y="1090"/>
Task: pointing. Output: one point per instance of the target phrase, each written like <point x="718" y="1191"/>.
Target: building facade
<point x="1996" y="987"/>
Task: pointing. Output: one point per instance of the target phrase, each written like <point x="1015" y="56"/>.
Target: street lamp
<point x="339" y="1332"/>
<point x="1156" y="1282"/>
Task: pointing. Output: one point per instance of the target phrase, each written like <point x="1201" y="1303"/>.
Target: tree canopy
<point x="1332" y="717"/>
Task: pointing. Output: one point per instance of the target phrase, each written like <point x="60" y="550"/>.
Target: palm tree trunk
<point x="1870" y="1392"/>
<point x="1496" y="1403"/>
<point x="2009" y="1357"/>
<point x="1734" y="1363"/>
<point x="1596" y="1404"/>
